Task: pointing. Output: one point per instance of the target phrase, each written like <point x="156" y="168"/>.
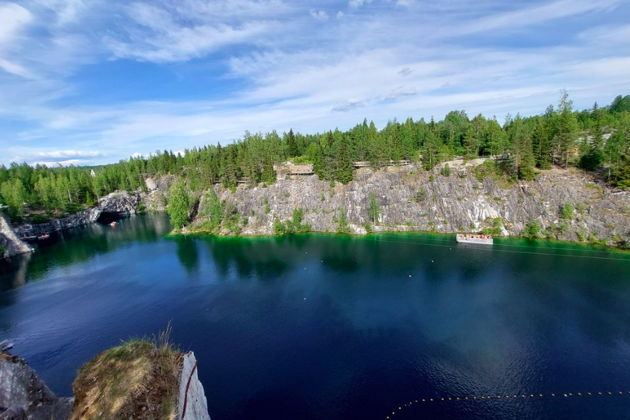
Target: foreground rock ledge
<point x="135" y="380"/>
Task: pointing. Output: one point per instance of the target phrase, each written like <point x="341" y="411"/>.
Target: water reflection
<point x="369" y="321"/>
<point x="81" y="244"/>
<point x="187" y="253"/>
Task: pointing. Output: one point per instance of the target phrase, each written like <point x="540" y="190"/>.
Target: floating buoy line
<point x="497" y="248"/>
<point x="400" y="409"/>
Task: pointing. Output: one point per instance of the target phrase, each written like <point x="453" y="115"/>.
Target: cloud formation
<point x="133" y="77"/>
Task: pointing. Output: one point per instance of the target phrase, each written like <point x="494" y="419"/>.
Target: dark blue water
<point x="329" y="327"/>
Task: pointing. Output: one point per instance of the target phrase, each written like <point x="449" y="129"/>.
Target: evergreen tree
<point x="566" y="132"/>
<point x="178" y="204"/>
<point x="541" y="146"/>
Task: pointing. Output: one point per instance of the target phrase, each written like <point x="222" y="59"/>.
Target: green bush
<point x="446" y="170"/>
<point x="591" y="160"/>
<point x="496" y="227"/>
<point x="178" y="204"/>
<point x="373" y="208"/>
<point x="294" y="225"/>
<point x="566" y="212"/>
<point x="420" y="195"/>
<point x="341" y="219"/>
<point x="278" y="227"/>
<point x="532" y="230"/>
<point x="213" y="210"/>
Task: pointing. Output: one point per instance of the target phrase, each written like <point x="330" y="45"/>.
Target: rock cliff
<point x="10" y="244"/>
<point x="24" y="396"/>
<point x="191" y="400"/>
<point x="117" y="203"/>
<point x="135" y="380"/>
<point x="411" y="199"/>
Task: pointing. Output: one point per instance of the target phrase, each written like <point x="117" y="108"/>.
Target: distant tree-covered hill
<point x="591" y="139"/>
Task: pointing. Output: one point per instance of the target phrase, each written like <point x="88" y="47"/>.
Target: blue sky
<point x="94" y="81"/>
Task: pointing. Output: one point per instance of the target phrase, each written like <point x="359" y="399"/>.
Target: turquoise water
<point x="323" y="326"/>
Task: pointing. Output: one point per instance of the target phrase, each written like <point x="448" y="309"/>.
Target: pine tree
<point x="541" y="146"/>
<point x="567" y="130"/>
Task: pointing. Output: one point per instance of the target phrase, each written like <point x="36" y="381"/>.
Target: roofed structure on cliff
<point x="288" y="170"/>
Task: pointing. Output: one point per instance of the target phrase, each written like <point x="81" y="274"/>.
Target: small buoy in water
<point x="409" y="275"/>
<point x="304" y="298"/>
<point x="432" y="261"/>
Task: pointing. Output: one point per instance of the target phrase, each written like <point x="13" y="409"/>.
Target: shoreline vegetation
<point x="596" y="140"/>
<point x="499" y="240"/>
<point x="225" y="190"/>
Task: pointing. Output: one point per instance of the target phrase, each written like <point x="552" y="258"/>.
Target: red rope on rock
<point x="188" y="386"/>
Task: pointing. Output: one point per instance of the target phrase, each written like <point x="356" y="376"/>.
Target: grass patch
<point x="138" y="379"/>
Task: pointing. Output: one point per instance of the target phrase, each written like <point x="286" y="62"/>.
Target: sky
<point x="88" y="82"/>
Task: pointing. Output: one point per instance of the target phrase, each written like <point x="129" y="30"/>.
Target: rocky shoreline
<point x="567" y="205"/>
<point x="563" y="204"/>
<point x="23" y="395"/>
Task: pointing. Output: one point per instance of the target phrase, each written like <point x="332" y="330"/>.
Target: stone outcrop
<point x="10" y="243"/>
<point x="412" y="199"/>
<point x="119" y="203"/>
<point x="24" y="396"/>
<point x="157" y="190"/>
<point x="191" y="401"/>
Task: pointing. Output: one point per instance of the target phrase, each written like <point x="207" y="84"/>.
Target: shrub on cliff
<point x="532" y="230"/>
<point x="341" y="219"/>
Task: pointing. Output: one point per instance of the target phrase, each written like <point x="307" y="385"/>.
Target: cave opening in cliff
<point x="107" y="217"/>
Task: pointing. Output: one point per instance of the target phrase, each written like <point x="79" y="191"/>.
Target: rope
<point x="188" y="386"/>
<point x="426" y="401"/>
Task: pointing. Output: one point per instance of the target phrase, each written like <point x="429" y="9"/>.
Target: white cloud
<point x="289" y="71"/>
<point x="13" y="20"/>
<point x="64" y="154"/>
<point x="533" y="15"/>
<point x="159" y="35"/>
<point x="320" y="15"/>
<point x="358" y="3"/>
<point x="52" y="164"/>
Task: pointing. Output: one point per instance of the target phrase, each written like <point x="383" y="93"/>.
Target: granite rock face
<point x="157" y="191"/>
<point x="10" y="244"/>
<point x="411" y="199"/>
<point x="24" y="396"/>
<point x="191" y="401"/>
<point x="120" y="203"/>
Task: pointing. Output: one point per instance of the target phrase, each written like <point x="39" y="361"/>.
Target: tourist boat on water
<point x="474" y="239"/>
<point x="44" y="236"/>
<point x="113" y="224"/>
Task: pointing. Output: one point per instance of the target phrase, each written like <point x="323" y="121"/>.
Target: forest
<point x="595" y="139"/>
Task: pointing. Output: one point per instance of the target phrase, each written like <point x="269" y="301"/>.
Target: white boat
<point x="474" y="239"/>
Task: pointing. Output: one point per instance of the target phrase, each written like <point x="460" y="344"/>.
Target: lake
<point x="334" y="327"/>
